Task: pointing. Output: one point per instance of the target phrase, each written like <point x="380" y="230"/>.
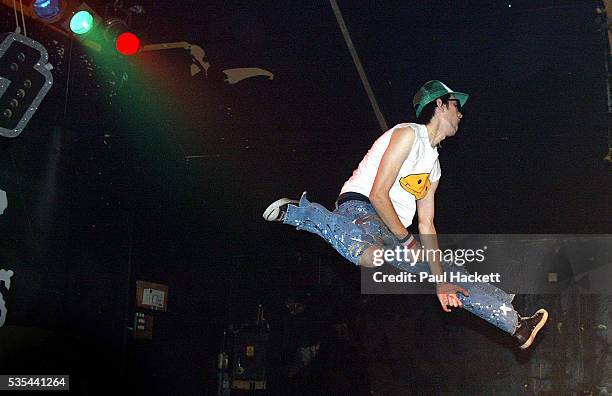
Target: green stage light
<point x="81" y="22"/>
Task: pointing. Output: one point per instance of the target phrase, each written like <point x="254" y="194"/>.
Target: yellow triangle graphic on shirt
<point x="417" y="185"/>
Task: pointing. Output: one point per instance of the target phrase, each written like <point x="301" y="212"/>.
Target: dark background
<point x="104" y="190"/>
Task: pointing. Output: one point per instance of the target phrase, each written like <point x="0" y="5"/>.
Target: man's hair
<point x="430" y="109"/>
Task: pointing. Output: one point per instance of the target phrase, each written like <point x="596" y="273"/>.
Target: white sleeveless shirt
<point x="414" y="179"/>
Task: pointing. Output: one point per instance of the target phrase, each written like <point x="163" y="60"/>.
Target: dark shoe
<point x="277" y="211"/>
<point x="529" y="327"/>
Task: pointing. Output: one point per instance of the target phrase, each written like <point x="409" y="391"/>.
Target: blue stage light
<point x="46" y="9"/>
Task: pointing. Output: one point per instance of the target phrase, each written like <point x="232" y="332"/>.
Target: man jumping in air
<point x="397" y="179"/>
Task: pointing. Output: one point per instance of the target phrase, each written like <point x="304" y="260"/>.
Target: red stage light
<point x="127" y="43"/>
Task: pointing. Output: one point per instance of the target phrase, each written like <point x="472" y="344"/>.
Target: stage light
<point x="47" y="10"/>
<point x="81" y="22"/>
<point x="127" y="43"/>
<point x="118" y="33"/>
<point x="25" y="79"/>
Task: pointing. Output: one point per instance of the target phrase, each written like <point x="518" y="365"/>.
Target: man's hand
<point x="447" y="294"/>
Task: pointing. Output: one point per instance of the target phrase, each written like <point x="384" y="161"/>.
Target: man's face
<point x="451" y="116"/>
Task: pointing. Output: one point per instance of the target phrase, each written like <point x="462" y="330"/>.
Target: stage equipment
<point x="143" y="325"/>
<point x="117" y="32"/>
<point x="360" y="70"/>
<point x="249" y="358"/>
<point x="152" y="296"/>
<point x="127" y="43"/>
<point x="223" y="375"/>
<point x="61" y="19"/>
<point x="25" y="79"/>
<point x="243" y="359"/>
<point x="48" y="10"/>
<point x="81" y="22"/>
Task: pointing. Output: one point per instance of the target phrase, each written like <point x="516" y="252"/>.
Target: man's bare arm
<point x="398" y="150"/>
<point x="427" y="230"/>
<point x="446" y="292"/>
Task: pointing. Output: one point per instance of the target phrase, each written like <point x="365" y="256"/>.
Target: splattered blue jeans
<point x="355" y="226"/>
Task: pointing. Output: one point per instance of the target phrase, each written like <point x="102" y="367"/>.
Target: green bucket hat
<point x="431" y="91"/>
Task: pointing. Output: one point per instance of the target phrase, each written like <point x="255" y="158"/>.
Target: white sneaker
<point x="529" y="327"/>
<point x="277" y="211"/>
